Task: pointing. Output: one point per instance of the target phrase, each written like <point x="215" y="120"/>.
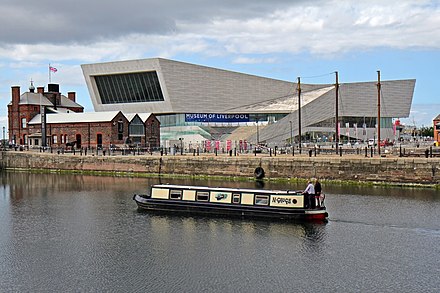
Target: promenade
<point x="415" y="167"/>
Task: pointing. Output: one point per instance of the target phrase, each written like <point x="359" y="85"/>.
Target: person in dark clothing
<point x="318" y="192"/>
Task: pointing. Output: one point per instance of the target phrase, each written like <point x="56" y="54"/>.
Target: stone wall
<point x="397" y="170"/>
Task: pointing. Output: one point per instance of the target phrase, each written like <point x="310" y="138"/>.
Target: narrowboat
<point x="256" y="203"/>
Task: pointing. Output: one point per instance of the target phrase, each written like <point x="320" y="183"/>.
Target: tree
<point x="427" y="131"/>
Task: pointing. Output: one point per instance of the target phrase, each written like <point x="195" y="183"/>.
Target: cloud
<point x="95" y="31"/>
<point x="246" y="60"/>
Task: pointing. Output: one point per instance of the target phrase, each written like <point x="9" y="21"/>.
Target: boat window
<point x="262" y="200"/>
<point x="236" y="198"/>
<point x="175" y="194"/>
<point x="202" y="195"/>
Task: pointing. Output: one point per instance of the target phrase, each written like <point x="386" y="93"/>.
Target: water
<point x="66" y="233"/>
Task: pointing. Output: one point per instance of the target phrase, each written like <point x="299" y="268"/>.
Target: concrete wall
<point x="404" y="170"/>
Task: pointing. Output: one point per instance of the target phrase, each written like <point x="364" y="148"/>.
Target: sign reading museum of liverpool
<point x="223" y="118"/>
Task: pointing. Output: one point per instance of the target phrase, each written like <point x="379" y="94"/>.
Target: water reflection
<point x="87" y="232"/>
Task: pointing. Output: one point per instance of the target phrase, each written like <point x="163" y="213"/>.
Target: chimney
<point x="15" y="97"/>
<point x="40" y="89"/>
<point x="71" y="96"/>
<point x="53" y="88"/>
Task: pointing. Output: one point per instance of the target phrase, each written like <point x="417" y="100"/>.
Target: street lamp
<point x="4" y="142"/>
<point x="291" y="137"/>
<point x="258" y="135"/>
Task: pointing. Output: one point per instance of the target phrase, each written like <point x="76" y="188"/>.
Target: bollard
<point x="270" y="152"/>
<point x="230" y="153"/>
<point x="426" y="153"/>
<point x="400" y="151"/>
<point x="340" y="151"/>
<point x="194" y="152"/>
<point x="430" y="151"/>
<point x="198" y="152"/>
<point x="235" y="152"/>
<point x="215" y="152"/>
<point x="255" y="151"/>
<point x="161" y="152"/>
<point x="366" y="152"/>
<point x="315" y="150"/>
<point x="310" y="153"/>
<point x="85" y="152"/>
<point x="275" y="152"/>
<point x="371" y="151"/>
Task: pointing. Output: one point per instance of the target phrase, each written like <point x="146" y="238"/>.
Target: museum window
<point x="129" y="88"/>
<point x="23" y="123"/>
<point x="54" y="138"/>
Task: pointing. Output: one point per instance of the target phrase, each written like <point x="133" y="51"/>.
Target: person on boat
<point x="309" y="195"/>
<point x="318" y="193"/>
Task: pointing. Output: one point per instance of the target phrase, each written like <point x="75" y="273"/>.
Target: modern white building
<point x="183" y="95"/>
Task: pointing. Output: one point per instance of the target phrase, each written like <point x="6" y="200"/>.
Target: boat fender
<point x="259" y="173"/>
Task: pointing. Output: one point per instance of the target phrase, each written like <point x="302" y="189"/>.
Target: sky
<point x="281" y="39"/>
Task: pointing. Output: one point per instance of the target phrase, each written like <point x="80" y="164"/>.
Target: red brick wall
<point x="88" y="132"/>
<point x="152" y="132"/>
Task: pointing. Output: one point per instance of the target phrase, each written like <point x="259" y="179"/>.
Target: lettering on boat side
<point x="289" y="201"/>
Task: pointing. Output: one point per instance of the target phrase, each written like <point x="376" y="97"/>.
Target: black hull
<point x="243" y="211"/>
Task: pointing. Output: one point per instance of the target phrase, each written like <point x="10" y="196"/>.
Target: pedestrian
<point x="309" y="194"/>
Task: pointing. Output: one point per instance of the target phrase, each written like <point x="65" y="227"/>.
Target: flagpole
<point x="50" y="79"/>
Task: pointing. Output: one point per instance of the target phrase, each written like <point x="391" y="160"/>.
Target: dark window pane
<point x="129" y="88"/>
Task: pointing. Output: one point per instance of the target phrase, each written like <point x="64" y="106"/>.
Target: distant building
<point x="190" y="99"/>
<point x="436" y="123"/>
<point x="24" y="107"/>
<point x="65" y="123"/>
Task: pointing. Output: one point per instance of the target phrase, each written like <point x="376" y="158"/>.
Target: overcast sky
<point x="276" y="39"/>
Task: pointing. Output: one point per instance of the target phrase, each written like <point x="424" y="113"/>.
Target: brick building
<point x="24" y="107"/>
<point x="65" y="123"/>
<point x="96" y="130"/>
<point x="436" y="123"/>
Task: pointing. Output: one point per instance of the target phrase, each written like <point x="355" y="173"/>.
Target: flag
<point x="53" y="69"/>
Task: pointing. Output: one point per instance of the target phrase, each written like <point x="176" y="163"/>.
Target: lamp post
<point x="291" y="137"/>
<point x="258" y="135"/>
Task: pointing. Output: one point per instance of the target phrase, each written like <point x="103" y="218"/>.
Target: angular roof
<point x="143" y="116"/>
<point x="190" y="88"/>
<point x="29" y="98"/>
<point x="355" y="100"/>
<point x="73" y="117"/>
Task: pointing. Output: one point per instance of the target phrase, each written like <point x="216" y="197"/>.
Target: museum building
<point x="189" y="99"/>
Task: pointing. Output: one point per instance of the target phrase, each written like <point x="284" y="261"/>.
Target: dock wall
<point x="396" y="170"/>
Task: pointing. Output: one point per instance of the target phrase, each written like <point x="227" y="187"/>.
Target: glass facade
<point x="137" y="127"/>
<point x="129" y="88"/>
